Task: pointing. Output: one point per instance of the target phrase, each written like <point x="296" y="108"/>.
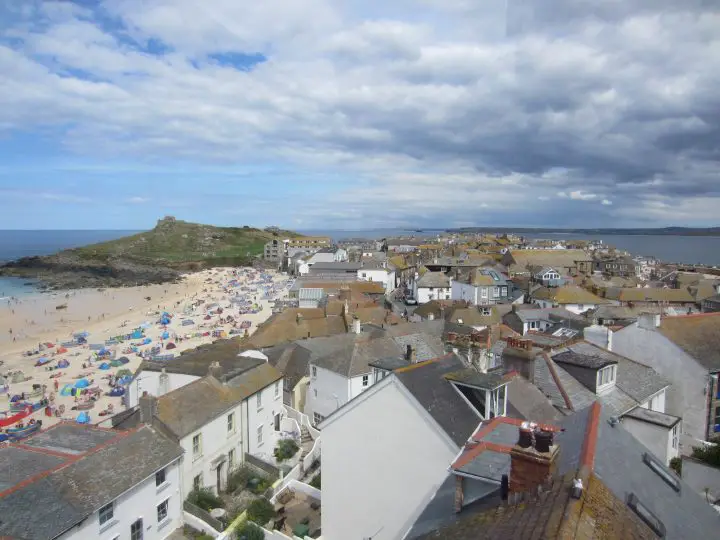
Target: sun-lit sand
<point x="32" y="321"/>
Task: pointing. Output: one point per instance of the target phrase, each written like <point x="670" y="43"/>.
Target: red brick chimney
<point x="532" y="459"/>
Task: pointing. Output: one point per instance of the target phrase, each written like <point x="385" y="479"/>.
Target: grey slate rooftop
<point x="69" y="439"/>
<point x="390" y="364"/>
<point x="473" y="377"/>
<point x="653" y="417"/>
<point x="60" y="498"/>
<point x="578" y="359"/>
<point x="437" y="396"/>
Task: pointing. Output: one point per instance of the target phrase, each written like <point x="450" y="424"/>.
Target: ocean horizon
<point x="15" y="244"/>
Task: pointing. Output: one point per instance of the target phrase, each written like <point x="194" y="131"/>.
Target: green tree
<point x="260" y="511"/>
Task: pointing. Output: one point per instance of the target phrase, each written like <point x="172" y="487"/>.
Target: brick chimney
<point x="148" y="407"/>
<point x="533" y="459"/>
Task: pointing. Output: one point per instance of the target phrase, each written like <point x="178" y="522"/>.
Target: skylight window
<point x="660" y="469"/>
<point x="644" y="513"/>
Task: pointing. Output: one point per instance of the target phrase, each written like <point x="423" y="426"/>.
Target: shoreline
<point x="28" y="323"/>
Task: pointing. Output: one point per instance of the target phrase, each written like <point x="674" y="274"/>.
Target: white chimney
<point x="357" y="328"/>
<point x="649" y="321"/>
<point x="431" y="316"/>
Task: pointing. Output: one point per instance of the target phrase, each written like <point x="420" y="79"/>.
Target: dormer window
<point x="606" y="376"/>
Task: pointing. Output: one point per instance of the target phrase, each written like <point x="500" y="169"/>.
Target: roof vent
<point x="543" y="441"/>
<point x="613" y="421"/>
<point x="577" y="488"/>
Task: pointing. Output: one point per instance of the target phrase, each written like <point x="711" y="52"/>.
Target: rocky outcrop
<point x="66" y="271"/>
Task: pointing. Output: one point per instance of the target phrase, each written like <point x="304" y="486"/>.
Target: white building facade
<point x="328" y="391"/>
<point x="154" y="508"/>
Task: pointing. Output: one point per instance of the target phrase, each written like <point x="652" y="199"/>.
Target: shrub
<point x="238" y="478"/>
<point x="205" y="498"/>
<point x="709" y="454"/>
<point x="285" y="449"/>
<point x="315" y="482"/>
<point x="676" y="465"/>
<point x="260" y="511"/>
<point x="250" y="531"/>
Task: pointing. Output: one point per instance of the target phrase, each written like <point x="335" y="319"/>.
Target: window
<point x="496" y="292"/>
<point x="160" y="477"/>
<point x="197" y="445"/>
<point x="717" y="416"/>
<point x="317" y="418"/>
<point x="606" y="375"/>
<point x="484" y="292"/>
<point x="197" y="482"/>
<point x="231" y="422"/>
<point x="162" y="511"/>
<point x="231" y="459"/>
<point x="106" y="513"/>
<point x="644" y="513"/>
<point x="277" y="389"/>
<point x="581" y="306"/>
<point x="314" y="372"/>
<point x="259" y="434"/>
<point x="497" y="402"/>
<point x="675" y="436"/>
<point x="258" y="400"/>
<point x="136" y="530"/>
<point x="365" y="380"/>
<point x="663" y="472"/>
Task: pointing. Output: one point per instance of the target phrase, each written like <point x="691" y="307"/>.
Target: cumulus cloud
<point x="424" y="111"/>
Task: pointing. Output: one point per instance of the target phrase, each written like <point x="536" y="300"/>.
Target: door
<point x="136" y="530"/>
<point x="277" y="422"/>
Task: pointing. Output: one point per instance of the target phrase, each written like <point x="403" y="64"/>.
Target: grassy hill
<point x="156" y="256"/>
<point x="180" y="244"/>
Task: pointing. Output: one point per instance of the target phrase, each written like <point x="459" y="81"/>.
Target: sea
<point x="16" y="244"/>
<point x="685" y="249"/>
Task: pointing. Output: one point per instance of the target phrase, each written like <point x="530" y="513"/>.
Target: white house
<point x="216" y="423"/>
<point x="432" y="286"/>
<point x="686" y="350"/>
<point x="340" y="366"/>
<point x="378" y="273"/>
<point x="658" y="431"/>
<point x="386" y="453"/>
<point x="82" y="482"/>
<point x="480" y="287"/>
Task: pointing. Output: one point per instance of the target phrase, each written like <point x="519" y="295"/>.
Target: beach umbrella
<point x="116" y="363"/>
<point x="82" y="383"/>
<point x="66" y="390"/>
<point x="63" y="363"/>
<point x="123" y="360"/>
<point x="102" y="366"/>
<point x="83" y="418"/>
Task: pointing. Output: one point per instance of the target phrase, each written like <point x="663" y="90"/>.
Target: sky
<point x="358" y="114"/>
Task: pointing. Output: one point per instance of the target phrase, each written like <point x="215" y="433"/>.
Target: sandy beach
<point x="42" y="331"/>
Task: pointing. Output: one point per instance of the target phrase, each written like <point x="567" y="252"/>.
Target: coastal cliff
<point x="160" y="255"/>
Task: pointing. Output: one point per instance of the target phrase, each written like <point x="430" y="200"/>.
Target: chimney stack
<point x="298" y="318"/>
<point x="431" y="316"/>
<point x="533" y="460"/>
<point x="215" y="369"/>
<point x="357" y="327"/>
<point x="148" y="407"/>
<point x="649" y="321"/>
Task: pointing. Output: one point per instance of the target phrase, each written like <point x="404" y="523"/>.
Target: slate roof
<point x="635" y="383"/>
<point x="653" y="417"/>
<point x="572" y="357"/>
<point x="521" y="260"/>
<point x="197" y="361"/>
<point x="292" y="360"/>
<point x="190" y="407"/>
<point x="697" y="335"/>
<point x="614" y="470"/>
<point x="350" y="355"/>
<point x="60" y="498"/>
<point x="473" y="377"/>
<point x="438" y="396"/>
<point x="649" y="295"/>
<point x="337" y="266"/>
<point x="568" y="294"/>
<point x="433" y="279"/>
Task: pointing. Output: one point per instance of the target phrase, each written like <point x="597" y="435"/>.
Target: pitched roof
<point x="351" y="355"/>
<point x="190" y="407"/>
<point x="523" y="260"/>
<point x="611" y="463"/>
<point x="438" y="397"/>
<point x="649" y="295"/>
<point x="69" y="485"/>
<point x="698" y="335"/>
<point x="433" y="279"/>
<point x="568" y="294"/>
